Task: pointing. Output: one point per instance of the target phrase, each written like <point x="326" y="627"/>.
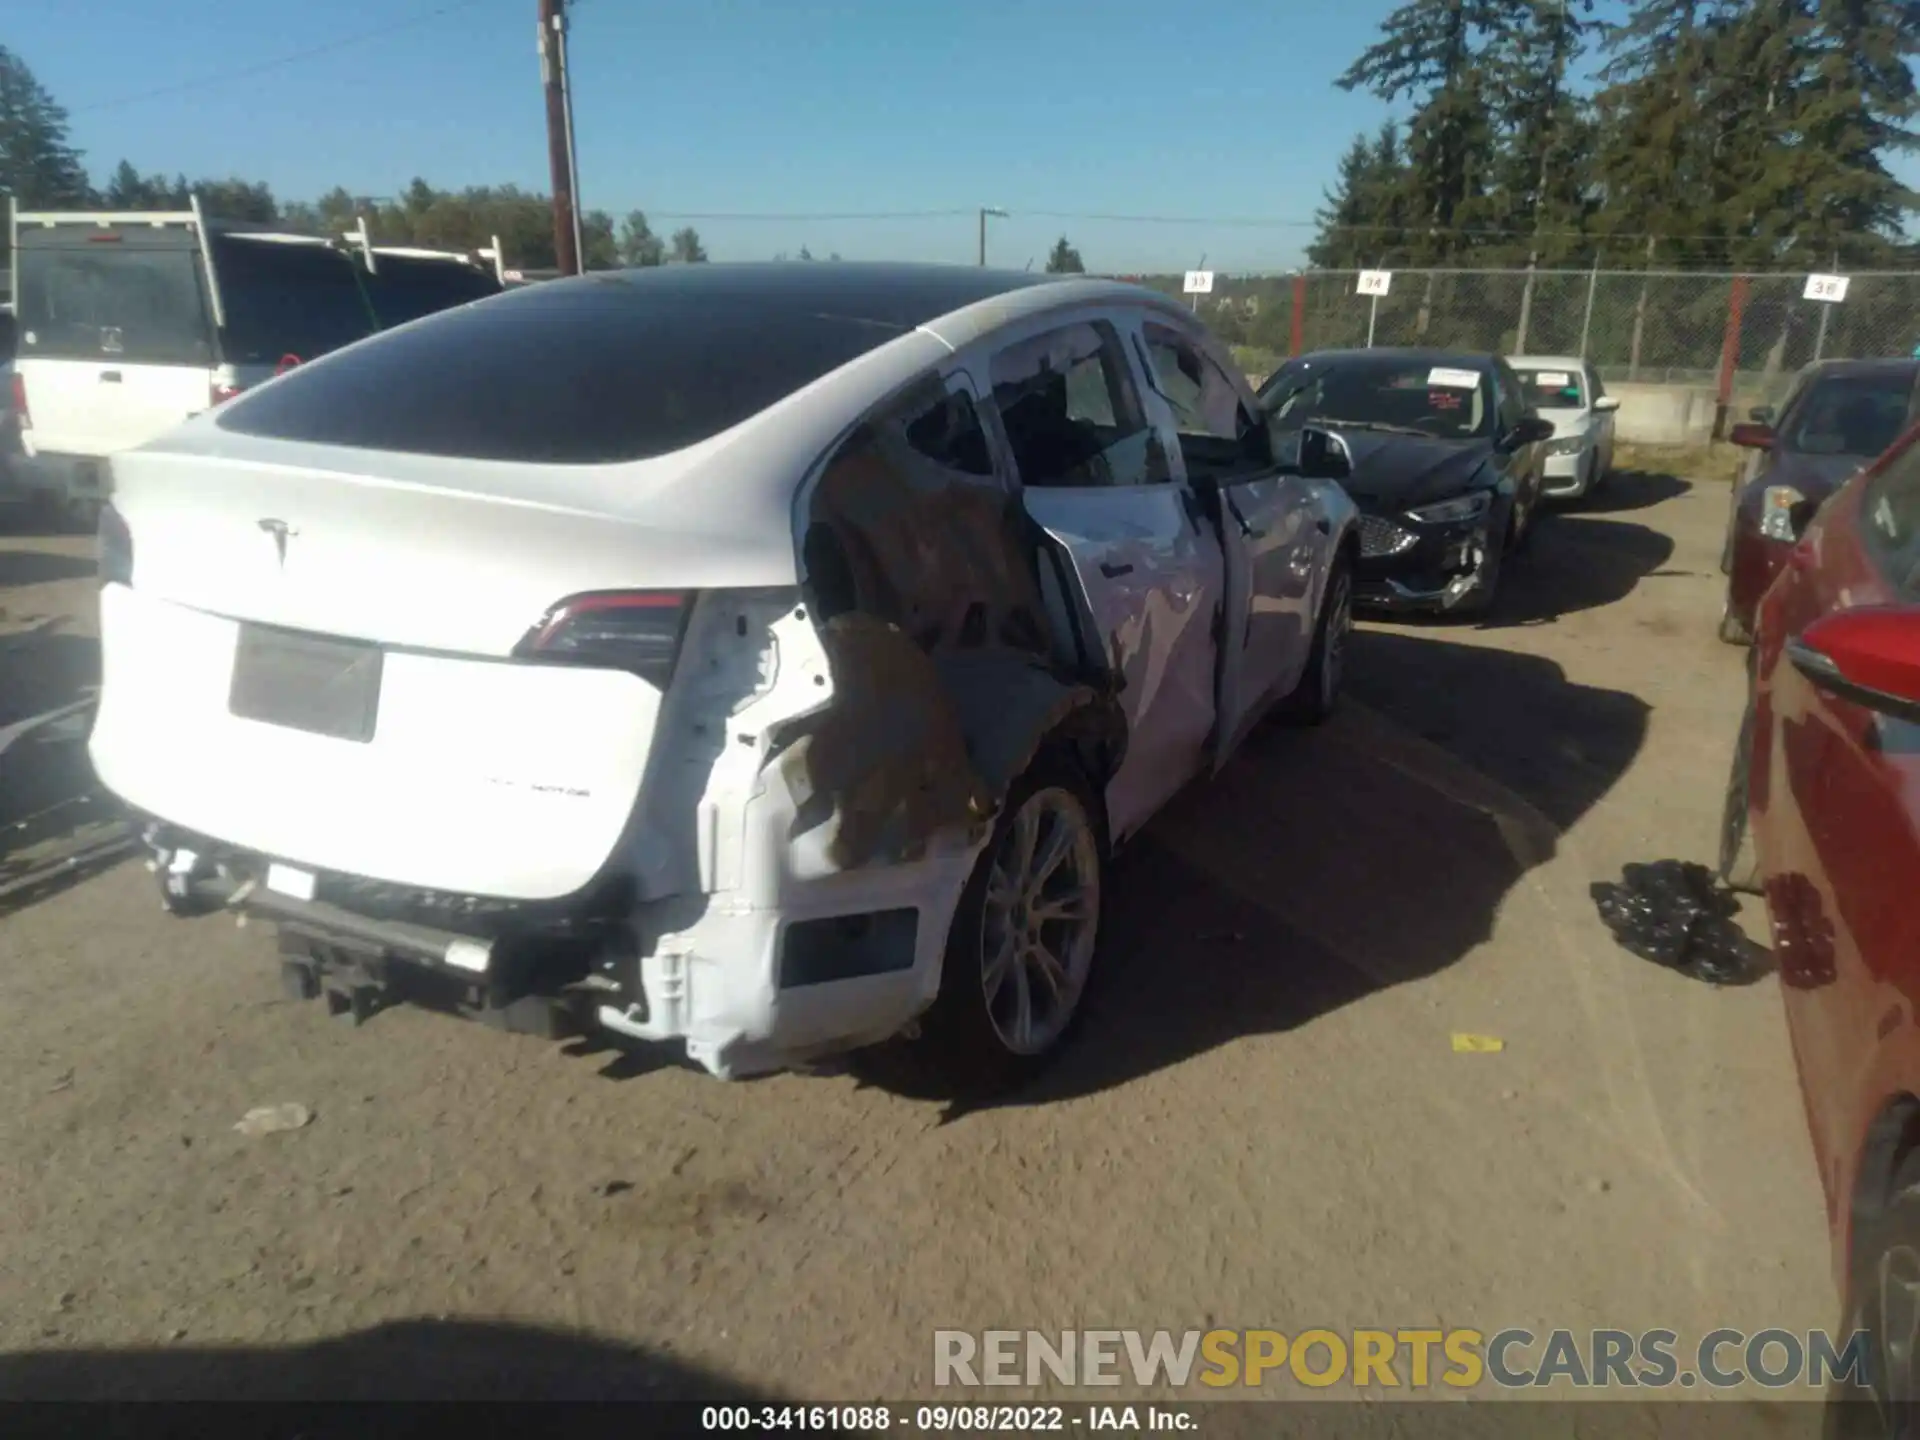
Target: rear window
<point x="113" y="302"/>
<point x="1850" y="415"/>
<point x="1552" y="387"/>
<point x="405" y="287"/>
<point x="284" y="298"/>
<point x="576" y="372"/>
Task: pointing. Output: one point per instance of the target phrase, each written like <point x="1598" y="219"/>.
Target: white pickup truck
<point x="130" y="322"/>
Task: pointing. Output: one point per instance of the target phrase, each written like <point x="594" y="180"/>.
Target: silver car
<point x="1567" y="390"/>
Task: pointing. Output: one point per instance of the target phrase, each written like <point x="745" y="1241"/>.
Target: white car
<point x="763" y="657"/>
<point x="1567" y="390"/>
<point x="131" y="321"/>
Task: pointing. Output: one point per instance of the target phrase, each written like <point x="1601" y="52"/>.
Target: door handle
<point x="109" y="377"/>
<point x="1114" y="572"/>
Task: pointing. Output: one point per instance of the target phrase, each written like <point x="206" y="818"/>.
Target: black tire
<point x="1318" y="692"/>
<point x="1888" y="1403"/>
<point x="1479" y="603"/>
<point x="963" y="1046"/>
<point x="1726" y="545"/>
<point x="1739" y="861"/>
<point x="1520" y="531"/>
<point x="1733" y="630"/>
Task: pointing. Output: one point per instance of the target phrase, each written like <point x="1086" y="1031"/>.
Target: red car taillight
<point x="116" y="547"/>
<point x="20" y="401"/>
<point x="638" y="631"/>
<point x="220" y="394"/>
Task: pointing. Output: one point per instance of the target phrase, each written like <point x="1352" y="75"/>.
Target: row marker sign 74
<point x="1374" y="282"/>
<point x="1830" y="288"/>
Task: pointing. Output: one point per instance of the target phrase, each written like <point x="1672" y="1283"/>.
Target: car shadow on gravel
<point x="58" y="826"/>
<point x="1628" y="490"/>
<point x="1575" y="562"/>
<point x="411" y="1360"/>
<point x="1323" y="866"/>
<point x="41" y="567"/>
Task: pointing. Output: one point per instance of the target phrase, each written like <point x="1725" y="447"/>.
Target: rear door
<point x="116" y="334"/>
<point x="1273" y="532"/>
<point x="1098" y="476"/>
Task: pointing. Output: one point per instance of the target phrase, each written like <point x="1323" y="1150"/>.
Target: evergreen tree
<point x="686" y="248"/>
<point x="1064" y="259"/>
<point x="638" y="244"/>
<point x="1346" y="211"/>
<point x="38" y="166"/>
<point x="1435" y="52"/>
<point x="1539" y="176"/>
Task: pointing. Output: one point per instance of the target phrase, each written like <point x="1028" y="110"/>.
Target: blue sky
<point x="1121" y="107"/>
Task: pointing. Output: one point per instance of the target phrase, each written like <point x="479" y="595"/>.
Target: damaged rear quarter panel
<point x="923" y="573"/>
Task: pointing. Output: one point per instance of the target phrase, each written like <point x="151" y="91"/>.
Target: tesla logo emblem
<point x="281" y="532"/>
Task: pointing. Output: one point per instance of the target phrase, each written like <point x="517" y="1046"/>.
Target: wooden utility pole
<point x="553" y="79"/>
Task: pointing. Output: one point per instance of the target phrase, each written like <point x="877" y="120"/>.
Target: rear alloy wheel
<point x="1739" y="861"/>
<point x="1318" y="692"/>
<point x="1021" y="948"/>
<point x="1883" y="1299"/>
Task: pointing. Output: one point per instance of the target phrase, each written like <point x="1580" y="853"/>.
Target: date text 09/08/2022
<point x="943" y="1419"/>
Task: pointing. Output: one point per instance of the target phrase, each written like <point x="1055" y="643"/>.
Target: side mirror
<point x="1323" y="456"/>
<point x="1761" y="414"/>
<point x="1869" y="655"/>
<point x="1531" y="430"/>
<point x="1606" y="404"/>
<point x="1756" y="436"/>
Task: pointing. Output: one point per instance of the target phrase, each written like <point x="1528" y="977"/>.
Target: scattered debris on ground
<point x="1678" y="914"/>
<point x="271" y="1119"/>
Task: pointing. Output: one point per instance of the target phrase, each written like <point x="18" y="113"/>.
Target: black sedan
<point x="1446" y="461"/>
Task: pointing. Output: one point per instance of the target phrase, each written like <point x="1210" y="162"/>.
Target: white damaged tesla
<point x="766" y="658"/>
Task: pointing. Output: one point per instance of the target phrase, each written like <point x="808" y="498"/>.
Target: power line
<point x="262" y="67"/>
<point x="1245" y="222"/>
<point x="801" y="217"/>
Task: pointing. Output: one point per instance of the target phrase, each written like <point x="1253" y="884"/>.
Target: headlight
<point x="1776" y="512"/>
<point x="1451" y="512"/>
<point x="1568" y="445"/>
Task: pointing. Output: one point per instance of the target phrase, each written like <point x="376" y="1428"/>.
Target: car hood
<point x="1567" y="422"/>
<point x="1397" y="472"/>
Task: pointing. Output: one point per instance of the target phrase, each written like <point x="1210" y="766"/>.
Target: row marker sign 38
<point x="1830" y="288"/>
<point x="1199" y="282"/>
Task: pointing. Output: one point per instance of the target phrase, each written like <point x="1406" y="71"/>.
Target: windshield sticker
<point x="1456" y="379"/>
<point x="1446" y="399"/>
<point x="1553" y="379"/>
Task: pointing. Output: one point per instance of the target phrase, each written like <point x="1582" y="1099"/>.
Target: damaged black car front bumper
<point x="1408" y="563"/>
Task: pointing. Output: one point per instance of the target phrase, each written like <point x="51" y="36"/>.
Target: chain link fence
<point x="1656" y="328"/>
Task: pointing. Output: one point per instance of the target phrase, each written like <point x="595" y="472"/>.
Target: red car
<point x="1837" y="417"/>
<point x="1823" y="818"/>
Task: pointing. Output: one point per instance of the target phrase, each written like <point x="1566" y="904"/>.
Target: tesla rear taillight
<point x="633" y="630"/>
<point x="116" y="547"/>
<point x="20" y="401"/>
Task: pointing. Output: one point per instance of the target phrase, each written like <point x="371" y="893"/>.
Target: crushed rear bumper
<point x="800" y="961"/>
